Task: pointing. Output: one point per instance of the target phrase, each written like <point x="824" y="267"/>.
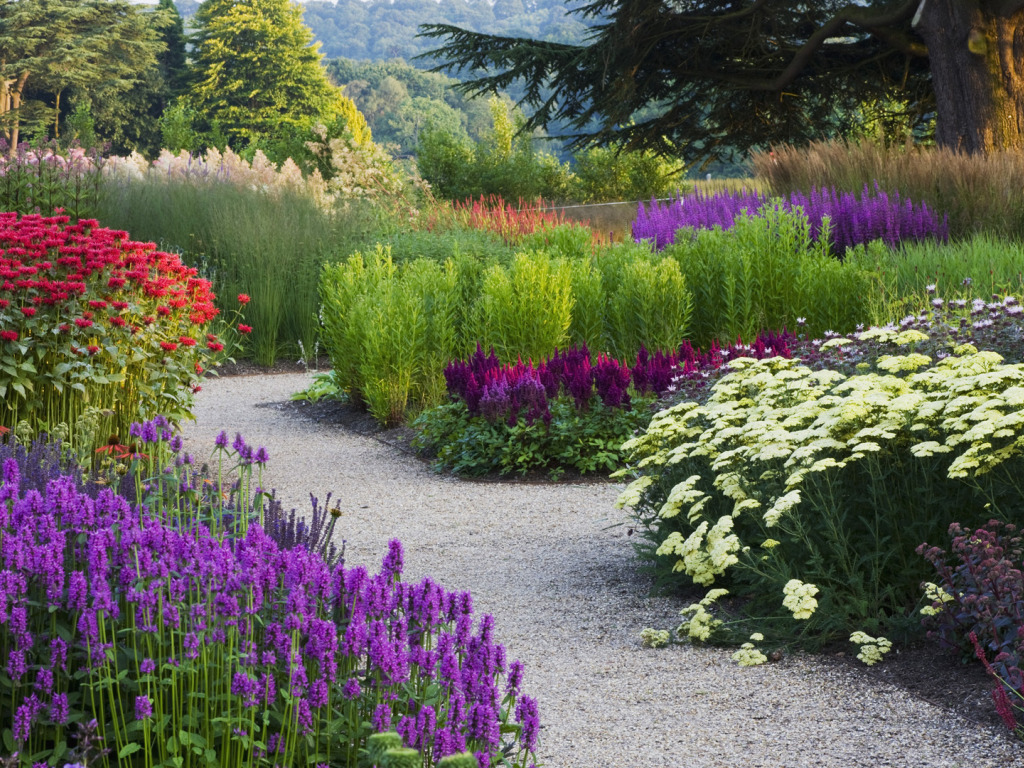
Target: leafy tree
<point x="255" y="70"/>
<point x="96" y="47"/>
<point x="752" y="72"/>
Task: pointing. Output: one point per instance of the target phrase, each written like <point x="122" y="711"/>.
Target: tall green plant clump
<point x="767" y="272"/>
<point x="808" y="491"/>
<point x="391" y="329"/>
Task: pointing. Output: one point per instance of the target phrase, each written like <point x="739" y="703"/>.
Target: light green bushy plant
<point x="809" y="490"/>
<point x="764" y="273"/>
<point x="524" y="311"/>
<point x="650" y="306"/>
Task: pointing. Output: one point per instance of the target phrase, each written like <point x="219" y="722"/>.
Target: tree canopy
<point x="746" y="73"/>
<point x="255" y="71"/>
<point x="98" y="48"/>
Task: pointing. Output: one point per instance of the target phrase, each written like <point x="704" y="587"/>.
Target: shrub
<point x="204" y="645"/>
<point x="978" y="604"/>
<point x="788" y="473"/>
<point x="765" y="273"/>
<point x="524" y="311"/>
<point x="96" y="330"/>
<point x="852" y="220"/>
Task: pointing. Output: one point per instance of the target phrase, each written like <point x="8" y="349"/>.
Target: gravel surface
<point x="560" y="578"/>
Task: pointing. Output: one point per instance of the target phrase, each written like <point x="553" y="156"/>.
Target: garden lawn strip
<point x="561" y="580"/>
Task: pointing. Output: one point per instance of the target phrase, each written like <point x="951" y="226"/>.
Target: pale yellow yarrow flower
<point x="871" y="648"/>
<point x="799" y="598"/>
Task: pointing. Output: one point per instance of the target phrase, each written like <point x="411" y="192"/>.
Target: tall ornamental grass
<point x="853" y="219"/>
<point x="974" y="268"/>
<point x="807" y="491"/>
<point x="268" y="243"/>
<point x="979" y="193"/>
<point x="96" y="330"/>
<point x="198" y="641"/>
<point x="768" y="272"/>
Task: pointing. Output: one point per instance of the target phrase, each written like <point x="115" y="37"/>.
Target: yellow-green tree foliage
<point x="255" y="71"/>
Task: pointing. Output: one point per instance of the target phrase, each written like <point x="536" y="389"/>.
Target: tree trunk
<point x="56" y="115"/>
<point x="976" y="55"/>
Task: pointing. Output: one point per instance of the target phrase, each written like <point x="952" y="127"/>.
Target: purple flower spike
<point x="143" y="708"/>
<point x="261" y="457"/>
<point x="222" y="440"/>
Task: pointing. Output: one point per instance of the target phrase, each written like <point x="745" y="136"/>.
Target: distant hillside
<point x="379" y="31"/>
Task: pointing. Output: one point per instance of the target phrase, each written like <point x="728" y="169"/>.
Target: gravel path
<point x="569" y="603"/>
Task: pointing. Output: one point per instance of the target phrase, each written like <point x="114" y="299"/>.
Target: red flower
<point x="97" y="304"/>
<point x="168" y="346"/>
<point x="199" y="368"/>
<point x="187" y="341"/>
<point x="82" y="322"/>
<point x="92" y="349"/>
<point x="242" y="328"/>
<point x="9" y="335"/>
<point x="162" y="310"/>
<point x="196" y="388"/>
<point x="28" y="311"/>
<point x="215" y="346"/>
<point x="210" y="337"/>
<point x="243" y="298"/>
<point x="118" y="321"/>
<point x="4" y="303"/>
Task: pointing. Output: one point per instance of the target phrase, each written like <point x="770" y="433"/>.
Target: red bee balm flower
<point x="187" y="341"/>
<point x="168" y="346"/>
<point x="82" y="322"/>
<point x="243" y="298"/>
<point x="215" y="346"/>
<point x="244" y="328"/>
<point x="28" y="311"/>
<point x="92" y="349"/>
<point x="9" y="335"/>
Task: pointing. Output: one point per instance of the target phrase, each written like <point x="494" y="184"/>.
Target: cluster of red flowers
<point x="47" y="262"/>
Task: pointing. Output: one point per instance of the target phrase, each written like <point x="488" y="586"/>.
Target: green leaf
<point x="128" y="749"/>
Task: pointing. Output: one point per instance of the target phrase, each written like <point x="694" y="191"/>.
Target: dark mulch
<point x="926" y="671"/>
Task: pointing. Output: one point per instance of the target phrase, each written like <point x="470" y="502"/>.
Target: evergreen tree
<point x="255" y="71"/>
<point x="726" y="73"/>
<point x="95" y="47"/>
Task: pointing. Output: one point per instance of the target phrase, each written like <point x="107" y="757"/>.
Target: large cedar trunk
<point x="976" y="55"/>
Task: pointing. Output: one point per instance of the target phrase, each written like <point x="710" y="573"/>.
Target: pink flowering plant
<point x="96" y="330"/>
<point x="194" y="640"/>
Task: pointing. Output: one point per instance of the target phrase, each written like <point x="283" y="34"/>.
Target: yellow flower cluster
<point x="935" y="594"/>
<point x="704" y="560"/>
<point x="654" y="638"/>
<point x="748" y="655"/>
<point x="698" y="623"/>
<point x="799" y="598"/>
<point x="871" y="648"/>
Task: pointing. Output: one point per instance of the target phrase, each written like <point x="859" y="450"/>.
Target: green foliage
<point x="176" y="129"/>
<point x="612" y="173"/>
<point x="583" y="441"/>
<point x="976" y="268"/>
<point x="270" y="247"/>
<point x="102" y="50"/>
<point x="764" y="273"/>
<point x="390" y="331"/>
<point x="831" y="480"/>
<point x="255" y="71"/>
<point x="42" y="180"/>
<point x="649" y="306"/>
<point x="525" y="310"/>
